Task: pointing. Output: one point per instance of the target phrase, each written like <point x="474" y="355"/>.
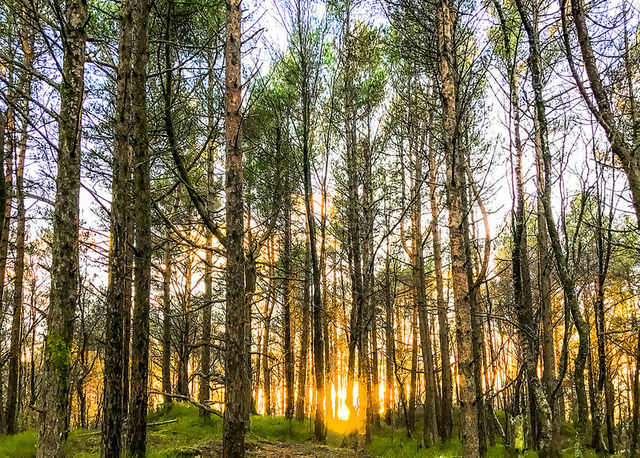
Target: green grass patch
<point x="22" y="445"/>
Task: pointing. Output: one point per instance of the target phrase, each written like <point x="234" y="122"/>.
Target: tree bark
<point x="446" y="424"/>
<point x="457" y="206"/>
<point x="430" y="426"/>
<point x="566" y="279"/>
<point x="303" y="359"/>
<point x="166" y="318"/>
<point x="18" y="290"/>
<point x="287" y="294"/>
<point x="137" y="433"/>
<point x="237" y="377"/>
<point x="116" y="289"/>
<point x="64" y="262"/>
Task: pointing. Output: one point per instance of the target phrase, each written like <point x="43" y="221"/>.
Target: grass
<point x="20" y="445"/>
<point x="187" y="432"/>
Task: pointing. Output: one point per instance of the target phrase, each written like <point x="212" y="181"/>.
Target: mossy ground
<point x="186" y="434"/>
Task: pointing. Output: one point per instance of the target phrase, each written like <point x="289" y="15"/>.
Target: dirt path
<point x="264" y="449"/>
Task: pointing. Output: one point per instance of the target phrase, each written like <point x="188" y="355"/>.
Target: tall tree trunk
<point x="287" y="294"/>
<point x="303" y="359"/>
<point x="184" y="350"/>
<point x="269" y="305"/>
<point x="166" y="317"/>
<point x="414" y="370"/>
<point x="205" y="349"/>
<point x="128" y="307"/>
<point x="457" y="206"/>
<point x="64" y="261"/>
<point x="18" y="290"/>
<point x="137" y="433"/>
<point x="566" y="279"/>
<point x="354" y="226"/>
<point x="446" y="424"/>
<point x="116" y="289"/>
<point x="635" y="435"/>
<point x="318" y="335"/>
<point x="603" y="249"/>
<point x="389" y="341"/>
<point x="430" y="426"/>
<point x="523" y="301"/>
<point x="237" y="376"/>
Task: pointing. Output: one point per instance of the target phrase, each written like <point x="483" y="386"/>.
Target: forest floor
<point x="269" y="449"/>
<point x="178" y="431"/>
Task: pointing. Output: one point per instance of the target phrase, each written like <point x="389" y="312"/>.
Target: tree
<point x="64" y="263"/>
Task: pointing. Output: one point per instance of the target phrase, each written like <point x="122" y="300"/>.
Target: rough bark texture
<point x="430" y="426"/>
<point x="287" y="294"/>
<point x="446" y="424"/>
<point x="116" y="290"/>
<point x="566" y="279"/>
<point x="604" y="113"/>
<point x="456" y="204"/>
<point x="303" y="359"/>
<point x="237" y="377"/>
<point x="166" y="318"/>
<point x="137" y="432"/>
<point x="205" y="349"/>
<point x="64" y="262"/>
<point x="16" y="322"/>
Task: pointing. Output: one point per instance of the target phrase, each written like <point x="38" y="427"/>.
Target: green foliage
<point x="58" y="353"/>
<point x="21" y="445"/>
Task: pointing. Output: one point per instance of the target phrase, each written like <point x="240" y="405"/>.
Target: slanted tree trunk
<point x="603" y="109"/>
<point x="523" y="300"/>
<point x="237" y="376"/>
<point x="541" y="422"/>
<point x="566" y="279"/>
<point x="64" y="261"/>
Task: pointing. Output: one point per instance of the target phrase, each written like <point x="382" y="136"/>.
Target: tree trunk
<point x="288" y="300"/>
<point x="446" y="424"/>
<point x="561" y="264"/>
<point x="237" y="376"/>
<point x="137" y="433"/>
<point x="457" y="206"/>
<point x="303" y="359"/>
<point x="389" y="341"/>
<point x="64" y="261"/>
<point x="166" y="318"/>
<point x="116" y="290"/>
<point x="205" y="349"/>
<point x="414" y="370"/>
<point x="18" y="290"/>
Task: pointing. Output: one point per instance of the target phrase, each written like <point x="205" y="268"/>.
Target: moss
<point x="58" y="354"/>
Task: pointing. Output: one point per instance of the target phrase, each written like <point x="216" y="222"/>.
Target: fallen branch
<point x="189" y="400"/>
<point x="149" y="425"/>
